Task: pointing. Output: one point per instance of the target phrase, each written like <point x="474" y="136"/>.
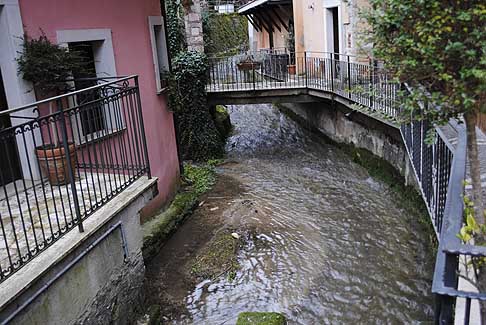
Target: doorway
<point x="10" y="169"/>
<point x="332" y="30"/>
<point x="335" y="30"/>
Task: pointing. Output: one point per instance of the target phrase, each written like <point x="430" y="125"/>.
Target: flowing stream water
<point x="331" y="244"/>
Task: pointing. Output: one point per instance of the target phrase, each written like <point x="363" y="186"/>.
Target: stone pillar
<point x="193" y="24"/>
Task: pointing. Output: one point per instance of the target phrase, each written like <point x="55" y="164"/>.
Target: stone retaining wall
<point x="343" y="125"/>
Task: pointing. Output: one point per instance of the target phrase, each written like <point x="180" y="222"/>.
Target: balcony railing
<point x="439" y="168"/>
<point x="62" y="159"/>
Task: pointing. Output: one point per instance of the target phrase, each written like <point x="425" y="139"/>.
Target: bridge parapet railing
<point x="261" y="70"/>
<point x="363" y="81"/>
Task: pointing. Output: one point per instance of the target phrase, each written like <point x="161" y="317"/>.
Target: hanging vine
<point x="199" y="138"/>
<point x="175" y="27"/>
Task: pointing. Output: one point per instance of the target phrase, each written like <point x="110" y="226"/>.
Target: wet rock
<point x="222" y="121"/>
<point x="261" y="318"/>
<point x="218" y="257"/>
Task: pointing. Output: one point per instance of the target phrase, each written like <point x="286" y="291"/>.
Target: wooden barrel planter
<point x="53" y="162"/>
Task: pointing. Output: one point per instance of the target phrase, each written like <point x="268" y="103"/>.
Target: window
<point x="159" y="51"/>
<point x="92" y="117"/>
<point x="95" y="118"/>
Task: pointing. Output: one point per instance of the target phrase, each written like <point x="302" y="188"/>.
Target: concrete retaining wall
<point x="98" y="279"/>
<point x="344" y="125"/>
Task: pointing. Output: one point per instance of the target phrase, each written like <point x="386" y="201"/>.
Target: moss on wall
<point x="225" y="33"/>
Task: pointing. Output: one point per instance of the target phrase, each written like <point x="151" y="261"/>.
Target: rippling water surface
<point x="331" y="244"/>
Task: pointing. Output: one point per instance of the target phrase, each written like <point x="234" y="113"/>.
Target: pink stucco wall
<point x="128" y="21"/>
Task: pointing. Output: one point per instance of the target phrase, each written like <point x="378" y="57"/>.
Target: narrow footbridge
<point x="365" y="85"/>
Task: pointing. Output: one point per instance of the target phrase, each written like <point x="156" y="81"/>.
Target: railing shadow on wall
<point x="63" y="158"/>
<point x="439" y="167"/>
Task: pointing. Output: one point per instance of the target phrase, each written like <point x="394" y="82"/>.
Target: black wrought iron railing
<point x="363" y="81"/>
<point x="62" y="159"/>
<point x="439" y="167"/>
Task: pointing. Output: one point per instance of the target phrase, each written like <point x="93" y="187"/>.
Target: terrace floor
<point x="34" y="216"/>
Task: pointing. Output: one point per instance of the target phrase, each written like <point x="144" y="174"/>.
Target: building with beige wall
<point x="319" y="25"/>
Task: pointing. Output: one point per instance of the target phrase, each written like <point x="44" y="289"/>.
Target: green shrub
<point x="48" y="65"/>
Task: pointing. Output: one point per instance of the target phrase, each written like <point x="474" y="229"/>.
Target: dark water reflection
<point x="332" y="246"/>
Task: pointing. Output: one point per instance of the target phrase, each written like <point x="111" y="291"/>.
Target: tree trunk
<point x="475" y="171"/>
<point x="475" y="167"/>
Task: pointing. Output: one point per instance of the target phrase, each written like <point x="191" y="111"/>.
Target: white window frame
<point x="159" y="53"/>
<point x="105" y="66"/>
<point x="18" y="91"/>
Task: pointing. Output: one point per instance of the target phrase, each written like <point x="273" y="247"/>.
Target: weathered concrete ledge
<point x="90" y="277"/>
<point x="261" y="96"/>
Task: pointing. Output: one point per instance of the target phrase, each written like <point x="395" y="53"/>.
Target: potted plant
<point x="291" y="47"/>
<point x="248" y="63"/>
<point x="47" y="66"/>
<point x="186" y="3"/>
<point x="54" y="161"/>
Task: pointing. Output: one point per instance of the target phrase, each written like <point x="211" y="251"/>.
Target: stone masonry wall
<point x="193" y="26"/>
<point x="120" y="299"/>
<point x="342" y="125"/>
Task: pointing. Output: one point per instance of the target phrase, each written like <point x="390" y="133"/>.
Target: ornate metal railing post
<point x="349" y="77"/>
<point x="332" y="71"/>
<point x="253" y="76"/>
<point x="70" y="163"/>
<point x="144" y="138"/>
<point x="305" y="68"/>
<point x="371" y="83"/>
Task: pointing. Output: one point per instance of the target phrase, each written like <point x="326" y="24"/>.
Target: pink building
<point x="97" y="152"/>
<point x="123" y="37"/>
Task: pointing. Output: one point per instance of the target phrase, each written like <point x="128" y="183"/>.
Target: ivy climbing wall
<point x="225" y="33"/>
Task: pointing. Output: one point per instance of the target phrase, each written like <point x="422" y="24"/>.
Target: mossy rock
<point x="218" y="257"/>
<point x="153" y="315"/>
<point x="222" y="121"/>
<point x="261" y="318"/>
